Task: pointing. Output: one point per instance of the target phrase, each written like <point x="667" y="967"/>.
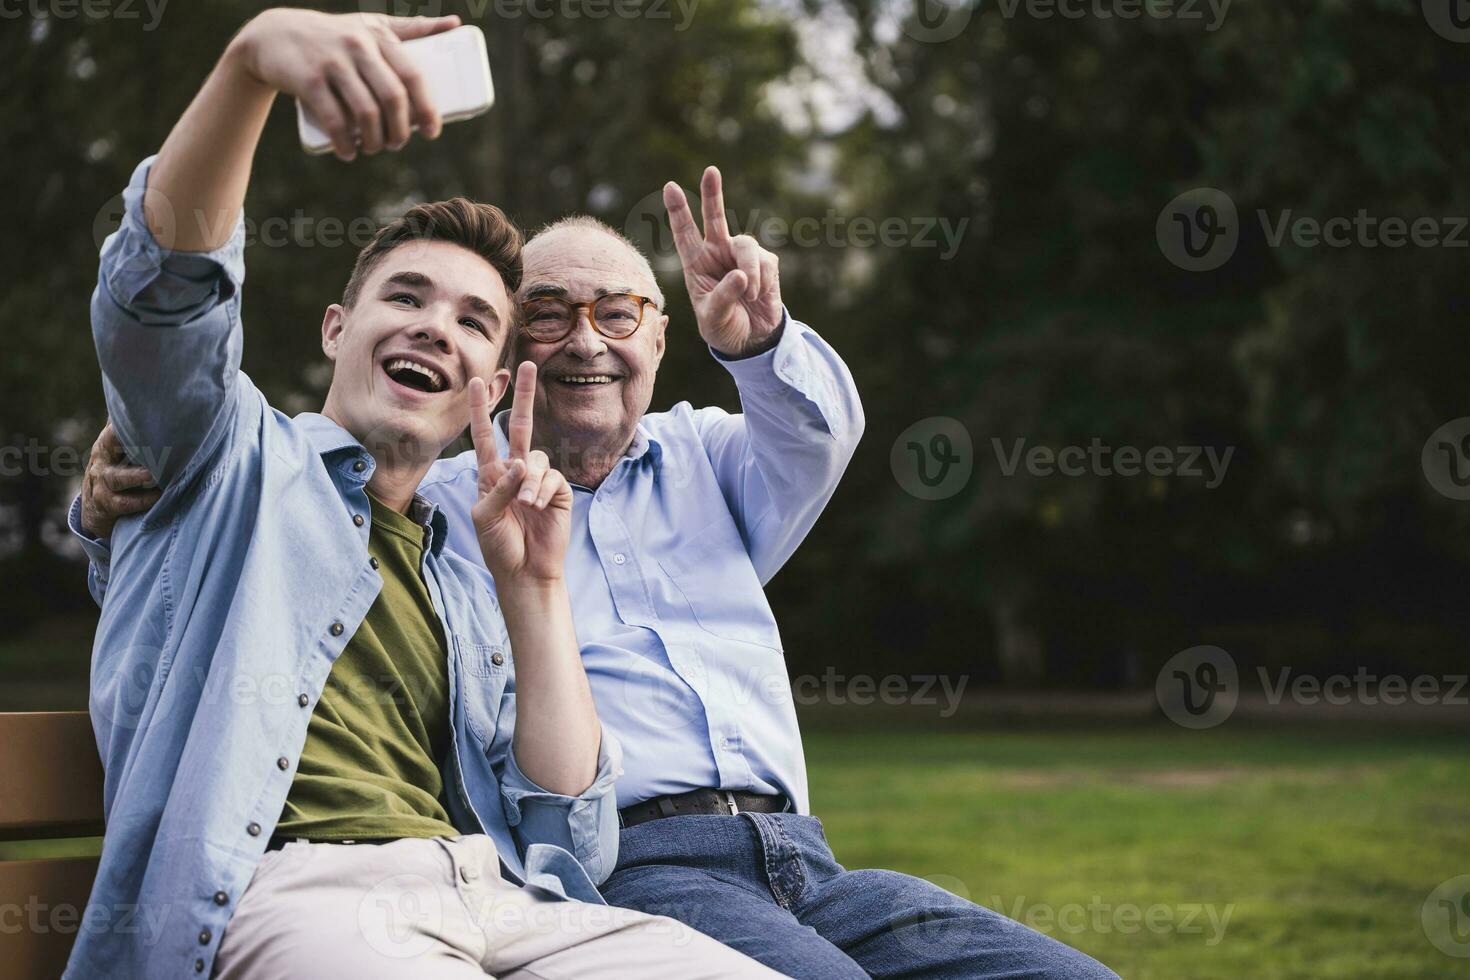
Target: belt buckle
<point x="729" y="799"/>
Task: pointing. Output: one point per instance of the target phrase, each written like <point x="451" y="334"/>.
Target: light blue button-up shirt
<point x="667" y="565"/>
<point x="226" y="607"/>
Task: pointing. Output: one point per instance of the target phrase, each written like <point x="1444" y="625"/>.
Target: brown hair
<point x="482" y="228"/>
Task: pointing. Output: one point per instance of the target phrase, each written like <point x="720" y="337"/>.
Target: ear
<point x="334" y="321"/>
<point x="497" y="383"/>
<point x="660" y="338"/>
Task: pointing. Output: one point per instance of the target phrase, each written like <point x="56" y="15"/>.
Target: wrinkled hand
<point x="523" y="513"/>
<point x="350" y="70"/>
<point x="733" y="283"/>
<point x="113" y="487"/>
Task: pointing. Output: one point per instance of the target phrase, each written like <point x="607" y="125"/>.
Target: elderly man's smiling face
<point x="592" y="390"/>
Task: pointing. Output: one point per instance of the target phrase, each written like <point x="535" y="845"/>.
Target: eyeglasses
<point x="616" y="316"/>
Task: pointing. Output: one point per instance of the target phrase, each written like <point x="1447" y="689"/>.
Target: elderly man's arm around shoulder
<point x="779" y="460"/>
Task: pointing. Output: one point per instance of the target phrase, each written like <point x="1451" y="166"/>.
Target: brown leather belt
<point x="702" y="802"/>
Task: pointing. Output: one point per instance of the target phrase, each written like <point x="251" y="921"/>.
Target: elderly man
<point x="679" y="519"/>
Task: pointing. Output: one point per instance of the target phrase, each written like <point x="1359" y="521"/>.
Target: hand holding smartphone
<point x="456" y="72"/>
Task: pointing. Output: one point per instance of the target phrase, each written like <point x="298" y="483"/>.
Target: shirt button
<point x="359" y="466"/>
<point x="205" y="936"/>
<point x="220" y="898"/>
<point x="337" y="629"/>
<point x="283" y="763"/>
<point x="198" y="966"/>
<point x="357" y="519"/>
<point x="253" y="829"/>
<point x="302" y="699"/>
<point x="373" y="562"/>
<point x="497" y="658"/>
<point x="620" y="558"/>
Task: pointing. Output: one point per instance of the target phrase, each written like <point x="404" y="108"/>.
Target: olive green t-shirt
<point x="370" y="767"/>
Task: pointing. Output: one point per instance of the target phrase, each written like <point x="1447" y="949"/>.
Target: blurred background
<point x="1157" y="309"/>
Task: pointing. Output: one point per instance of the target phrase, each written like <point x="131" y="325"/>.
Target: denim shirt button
<point x="303" y="699"/>
<point x="205" y="936"/>
<point x="253" y="829"/>
<point x="497" y="658"/>
<point x="374" y="563"/>
<point x="359" y="466"/>
<point x="220" y="898"/>
<point x="357" y="519"/>
<point x="283" y="763"/>
<point x="337" y="629"/>
<point x="198" y="966"/>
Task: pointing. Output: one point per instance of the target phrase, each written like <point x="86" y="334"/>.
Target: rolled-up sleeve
<point x="779" y="461"/>
<point x="586" y="824"/>
<point x="167" y="329"/>
<point x="97" y="550"/>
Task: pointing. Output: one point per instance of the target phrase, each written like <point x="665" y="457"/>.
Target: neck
<point x="587" y="460"/>
<point x="394" y="484"/>
<point x="396" y="473"/>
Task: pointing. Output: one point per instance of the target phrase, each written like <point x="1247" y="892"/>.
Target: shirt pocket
<point x="711" y="570"/>
<point x="483" y="658"/>
<point x="487" y="688"/>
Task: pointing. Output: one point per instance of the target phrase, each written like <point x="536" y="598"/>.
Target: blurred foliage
<point x="1058" y="320"/>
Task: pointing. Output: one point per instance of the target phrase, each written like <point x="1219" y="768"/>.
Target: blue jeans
<point x="768" y="885"/>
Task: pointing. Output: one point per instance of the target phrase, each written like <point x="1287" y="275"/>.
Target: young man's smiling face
<point x="591" y="389"/>
<point x="430" y="316"/>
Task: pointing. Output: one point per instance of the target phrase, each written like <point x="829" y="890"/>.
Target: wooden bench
<point x="50" y="787"/>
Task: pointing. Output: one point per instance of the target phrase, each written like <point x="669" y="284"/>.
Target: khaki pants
<point x="438" y="910"/>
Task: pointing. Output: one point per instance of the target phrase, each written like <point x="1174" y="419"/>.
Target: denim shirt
<point x="230" y="601"/>
<point x="668" y="561"/>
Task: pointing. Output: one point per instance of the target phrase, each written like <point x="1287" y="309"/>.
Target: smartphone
<point x="456" y="71"/>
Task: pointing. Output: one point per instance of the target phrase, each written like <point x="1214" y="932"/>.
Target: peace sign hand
<point x="523" y="512"/>
<point x="733" y="283"/>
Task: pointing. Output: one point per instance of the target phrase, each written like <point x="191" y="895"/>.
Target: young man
<point x="318" y="760"/>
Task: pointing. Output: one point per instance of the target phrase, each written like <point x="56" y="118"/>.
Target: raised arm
<point x="522" y="516"/>
<point x="165" y="316"/>
<point x="779" y="460"/>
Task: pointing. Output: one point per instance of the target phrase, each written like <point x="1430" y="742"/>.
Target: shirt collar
<point x="425" y="512"/>
<point x="643" y="441"/>
<point x="341" y="452"/>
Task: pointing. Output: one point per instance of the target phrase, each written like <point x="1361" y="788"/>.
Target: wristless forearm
<point x="557" y="733"/>
<point x="197" y="185"/>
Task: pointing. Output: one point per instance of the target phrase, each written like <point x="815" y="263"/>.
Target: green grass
<point x="1320" y="848"/>
<point x="1320" y="845"/>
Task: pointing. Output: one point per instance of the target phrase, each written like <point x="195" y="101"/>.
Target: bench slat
<point x="46" y="900"/>
<point x="50" y="777"/>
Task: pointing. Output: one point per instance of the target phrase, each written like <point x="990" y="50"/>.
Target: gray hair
<point x="589" y="223"/>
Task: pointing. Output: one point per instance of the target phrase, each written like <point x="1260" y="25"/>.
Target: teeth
<point x="402" y="363"/>
<point x="587" y="379"/>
